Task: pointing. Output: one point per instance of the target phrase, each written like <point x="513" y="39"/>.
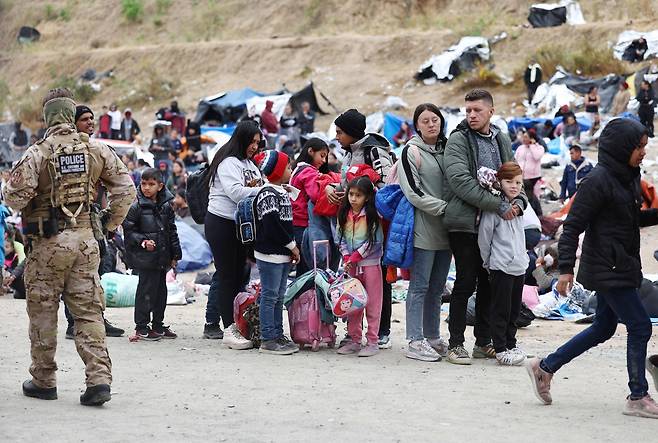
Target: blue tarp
<point x="196" y="250"/>
<point x="527" y="122"/>
<point x="226" y="129"/>
<point x="392" y="124"/>
<point x="234" y="98"/>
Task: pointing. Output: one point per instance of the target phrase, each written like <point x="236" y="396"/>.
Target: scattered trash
<point x="28" y="34"/>
<point x="457" y="59"/>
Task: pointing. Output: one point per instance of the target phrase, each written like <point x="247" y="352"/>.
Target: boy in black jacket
<point x="153" y="248"/>
<point x="607" y="208"/>
<point x="274" y="250"/>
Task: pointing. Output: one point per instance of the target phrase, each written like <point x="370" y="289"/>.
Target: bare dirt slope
<point x="356" y="52"/>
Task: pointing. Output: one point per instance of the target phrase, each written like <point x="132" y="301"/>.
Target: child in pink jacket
<point x="528" y="155"/>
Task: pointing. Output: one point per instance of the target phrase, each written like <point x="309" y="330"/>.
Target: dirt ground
<point x="191" y="389"/>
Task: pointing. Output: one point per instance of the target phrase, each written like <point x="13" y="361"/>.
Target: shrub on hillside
<point x="82" y="92"/>
<point x="482" y="77"/>
<point x="132" y="10"/>
<point x="587" y="59"/>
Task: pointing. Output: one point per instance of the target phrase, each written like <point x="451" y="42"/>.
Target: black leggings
<point x="529" y="186"/>
<point x="230" y="259"/>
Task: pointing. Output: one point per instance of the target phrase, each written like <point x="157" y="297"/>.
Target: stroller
<point x="309" y="309"/>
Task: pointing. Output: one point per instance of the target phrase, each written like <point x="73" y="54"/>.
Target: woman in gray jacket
<point x="422" y="182"/>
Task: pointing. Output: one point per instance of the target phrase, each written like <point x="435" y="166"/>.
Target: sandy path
<point x="192" y="389"/>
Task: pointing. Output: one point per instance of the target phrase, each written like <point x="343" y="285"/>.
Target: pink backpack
<point x="393" y="173"/>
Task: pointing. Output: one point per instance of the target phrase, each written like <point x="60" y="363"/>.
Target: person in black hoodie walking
<point x="646" y="98"/>
<point x="153" y="247"/>
<point x="607" y="208"/>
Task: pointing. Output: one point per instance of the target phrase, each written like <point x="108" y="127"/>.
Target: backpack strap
<point x="407" y="169"/>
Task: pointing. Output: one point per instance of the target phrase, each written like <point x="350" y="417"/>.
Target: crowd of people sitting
<point x="468" y="196"/>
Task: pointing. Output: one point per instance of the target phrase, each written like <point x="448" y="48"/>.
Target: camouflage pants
<point x="66" y="264"/>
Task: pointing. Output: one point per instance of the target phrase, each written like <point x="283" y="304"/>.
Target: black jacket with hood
<point x="607" y="208"/>
<point x="149" y="220"/>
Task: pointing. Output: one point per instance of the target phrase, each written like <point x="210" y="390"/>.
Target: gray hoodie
<point x="372" y="150"/>
<point x="502" y="244"/>
<point x="422" y="181"/>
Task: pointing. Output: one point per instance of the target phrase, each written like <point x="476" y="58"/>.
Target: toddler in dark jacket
<point x="152" y="248"/>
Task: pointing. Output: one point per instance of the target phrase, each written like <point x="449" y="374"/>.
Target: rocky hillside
<point x="357" y="52"/>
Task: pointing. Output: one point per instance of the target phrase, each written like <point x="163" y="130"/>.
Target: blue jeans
<point x="612" y="306"/>
<point x="320" y="228"/>
<point x="274" y="281"/>
<point x="429" y="271"/>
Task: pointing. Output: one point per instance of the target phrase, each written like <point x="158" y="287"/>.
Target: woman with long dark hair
<point x="422" y="181"/>
<point x="233" y="176"/>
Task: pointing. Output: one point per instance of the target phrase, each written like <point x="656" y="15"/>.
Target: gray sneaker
<point x="439" y="345"/>
<point x="652" y="367"/>
<point x="421" y="350"/>
<point x="289" y="344"/>
<point x="369" y="350"/>
<point x="459" y="356"/>
<point x="486" y="351"/>
<point x="274" y="347"/>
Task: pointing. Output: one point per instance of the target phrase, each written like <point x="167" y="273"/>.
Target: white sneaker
<point x="509" y="358"/>
<point x="440" y="345"/>
<point x="421" y="350"/>
<point x="519" y="351"/>
<point x="234" y="340"/>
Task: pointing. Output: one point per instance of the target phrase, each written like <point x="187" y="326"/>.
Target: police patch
<point x="72" y="163"/>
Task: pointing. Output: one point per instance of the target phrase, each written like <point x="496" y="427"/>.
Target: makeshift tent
<point x="256" y="105"/>
<point x="392" y="124"/>
<point x="28" y="35"/>
<point x="306" y="94"/>
<point x="516" y="123"/>
<point x="561" y="87"/>
<point x="457" y="59"/>
<point x="196" y="251"/>
<point x="627" y="37"/>
<point x="225" y="107"/>
<point x="544" y="15"/>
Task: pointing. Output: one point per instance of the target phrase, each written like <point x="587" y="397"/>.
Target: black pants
<point x="387" y="306"/>
<point x="230" y="257"/>
<point x="529" y="186"/>
<point x="532" y="88"/>
<point x="646" y="114"/>
<point x="506" y="292"/>
<point x="301" y="267"/>
<point x="470" y="275"/>
<point x="151" y="297"/>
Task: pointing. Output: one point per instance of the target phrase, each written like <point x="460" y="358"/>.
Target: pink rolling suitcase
<point x="306" y="326"/>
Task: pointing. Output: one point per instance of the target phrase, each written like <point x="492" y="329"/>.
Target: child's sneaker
<point x="421" y="350"/>
<point x="234" y="340"/>
<point x="369" y="350"/>
<point x="212" y="331"/>
<point x="652" y="367"/>
<point x="644" y="407"/>
<point x="459" y="356"/>
<point x="384" y="342"/>
<point x="147" y="334"/>
<point x="275" y="347"/>
<point x="486" y="351"/>
<point x="541" y="380"/>
<point x="349" y="348"/>
<point x="439" y="345"/>
<point x="289" y="344"/>
<point x="165" y="332"/>
<point x="509" y="358"/>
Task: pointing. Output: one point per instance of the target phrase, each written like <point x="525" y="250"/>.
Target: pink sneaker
<point x="645" y="407"/>
<point x="541" y="381"/>
<point x="369" y="350"/>
<point x="349" y="348"/>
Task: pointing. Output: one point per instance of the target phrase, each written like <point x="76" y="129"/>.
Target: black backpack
<point x="198" y="188"/>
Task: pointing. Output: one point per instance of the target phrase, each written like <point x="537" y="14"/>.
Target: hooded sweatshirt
<point x="268" y="119"/>
<point x="607" y="209"/>
<point x="422" y="181"/>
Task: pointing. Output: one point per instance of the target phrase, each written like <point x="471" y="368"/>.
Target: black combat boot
<point x="32" y="390"/>
<point x="96" y="395"/>
<point x="111" y="330"/>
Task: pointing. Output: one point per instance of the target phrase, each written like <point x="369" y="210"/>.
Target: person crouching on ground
<point x="153" y="248"/>
<point x="360" y="239"/>
<point x="275" y="248"/>
<point x="504" y="256"/>
<point x="608" y="210"/>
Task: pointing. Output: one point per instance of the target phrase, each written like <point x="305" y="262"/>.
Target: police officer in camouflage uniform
<point x="53" y="185"/>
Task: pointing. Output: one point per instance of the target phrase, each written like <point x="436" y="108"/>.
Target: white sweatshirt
<point x="230" y="186"/>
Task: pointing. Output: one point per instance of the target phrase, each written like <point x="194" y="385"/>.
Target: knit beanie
<point x="353" y="123"/>
<point x="272" y="164"/>
<point x="82" y="109"/>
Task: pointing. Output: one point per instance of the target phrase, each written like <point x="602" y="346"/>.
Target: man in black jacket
<point x="607" y="208"/>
